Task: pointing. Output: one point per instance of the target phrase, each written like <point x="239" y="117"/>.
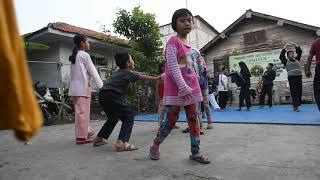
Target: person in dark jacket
<point x="267" y="85"/>
<point x="244" y="90"/>
<point x="315" y="51"/>
<point x="293" y="68"/>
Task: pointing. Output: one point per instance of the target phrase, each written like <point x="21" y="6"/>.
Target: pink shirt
<point x="80" y="74"/>
<point x="180" y="77"/>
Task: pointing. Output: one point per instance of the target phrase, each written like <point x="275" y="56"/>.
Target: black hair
<point x="243" y="65"/>
<point x="223" y="68"/>
<point x="121" y="60"/>
<point x="271" y="64"/>
<point x="179" y="13"/>
<point x="161" y="64"/>
<point x="289" y="52"/>
<point x="77" y="39"/>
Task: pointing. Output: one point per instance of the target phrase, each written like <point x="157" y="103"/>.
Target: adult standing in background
<point x="292" y="65"/>
<point x="244" y="89"/>
<point x="267" y="85"/>
<point x="315" y="50"/>
<point x="223" y="88"/>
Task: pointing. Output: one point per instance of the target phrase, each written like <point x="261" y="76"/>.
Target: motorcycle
<point x="51" y="109"/>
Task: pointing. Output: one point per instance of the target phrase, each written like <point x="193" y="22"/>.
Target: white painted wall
<point x="65" y="52"/>
<point x="59" y="52"/>
<point x="199" y="36"/>
<point x="47" y="73"/>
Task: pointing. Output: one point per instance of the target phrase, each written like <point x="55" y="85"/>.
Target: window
<point x="255" y="37"/>
<point x="99" y="60"/>
<point x="218" y="64"/>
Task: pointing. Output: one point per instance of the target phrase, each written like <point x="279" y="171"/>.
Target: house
<point x="257" y="39"/>
<point x="51" y="65"/>
<point x="202" y="33"/>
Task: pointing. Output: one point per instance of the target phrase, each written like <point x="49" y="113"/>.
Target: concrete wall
<point x="65" y="52"/>
<point x="277" y="36"/>
<point x="50" y="74"/>
<point x="43" y="65"/>
<point x="199" y="37"/>
<point x="166" y="32"/>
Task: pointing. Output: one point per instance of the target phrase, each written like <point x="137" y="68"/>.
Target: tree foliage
<point x="143" y="33"/>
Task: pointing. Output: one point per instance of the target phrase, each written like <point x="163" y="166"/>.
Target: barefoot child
<point x="111" y="97"/>
<point x="81" y="70"/>
<point x="181" y="87"/>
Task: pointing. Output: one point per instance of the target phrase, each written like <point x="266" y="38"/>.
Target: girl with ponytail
<point x="82" y="69"/>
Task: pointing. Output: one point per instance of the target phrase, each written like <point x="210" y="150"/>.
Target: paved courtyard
<point x="237" y="152"/>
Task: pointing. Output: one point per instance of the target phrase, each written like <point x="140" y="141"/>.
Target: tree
<point x="143" y="33"/>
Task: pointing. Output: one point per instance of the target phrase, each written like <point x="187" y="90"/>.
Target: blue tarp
<point x="308" y="115"/>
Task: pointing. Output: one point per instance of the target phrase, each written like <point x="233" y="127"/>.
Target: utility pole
<point x="187" y="8"/>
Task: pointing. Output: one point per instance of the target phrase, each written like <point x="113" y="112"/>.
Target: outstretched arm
<point x="146" y="77"/>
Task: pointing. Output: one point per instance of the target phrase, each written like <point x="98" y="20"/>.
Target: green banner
<point x="257" y="63"/>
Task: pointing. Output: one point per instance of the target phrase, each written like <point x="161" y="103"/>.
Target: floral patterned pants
<point x="170" y="119"/>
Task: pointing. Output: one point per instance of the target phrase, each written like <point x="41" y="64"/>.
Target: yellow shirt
<point x="19" y="109"/>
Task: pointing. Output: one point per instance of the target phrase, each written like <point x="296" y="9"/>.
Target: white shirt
<point x="223" y="82"/>
<point x="80" y="73"/>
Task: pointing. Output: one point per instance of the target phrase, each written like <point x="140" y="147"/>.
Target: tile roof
<point x="249" y="14"/>
<point x="90" y="33"/>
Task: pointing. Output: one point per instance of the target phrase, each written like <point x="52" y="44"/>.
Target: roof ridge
<point x="62" y="26"/>
<point x="248" y="14"/>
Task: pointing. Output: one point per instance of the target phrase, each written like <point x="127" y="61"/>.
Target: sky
<point x="33" y="15"/>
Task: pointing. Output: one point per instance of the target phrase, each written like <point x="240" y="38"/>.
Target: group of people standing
<point x="184" y="86"/>
<point x="182" y="82"/>
<point x="290" y="57"/>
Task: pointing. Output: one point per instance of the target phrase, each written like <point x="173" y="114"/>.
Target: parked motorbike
<point x="51" y="109"/>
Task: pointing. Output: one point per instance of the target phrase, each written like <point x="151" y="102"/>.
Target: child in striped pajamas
<point x="181" y="87"/>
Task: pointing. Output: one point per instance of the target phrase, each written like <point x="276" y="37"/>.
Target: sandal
<point x="128" y="147"/>
<point x="186" y="130"/>
<point x="99" y="142"/>
<point x="210" y="126"/>
<point x="176" y="127"/>
<point x="201" y="132"/>
<point x="91" y="134"/>
<point x="154" y="153"/>
<point x="199" y="158"/>
<point x="83" y="141"/>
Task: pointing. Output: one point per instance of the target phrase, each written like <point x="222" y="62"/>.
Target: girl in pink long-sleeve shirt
<point x="181" y="87"/>
<point x="82" y="69"/>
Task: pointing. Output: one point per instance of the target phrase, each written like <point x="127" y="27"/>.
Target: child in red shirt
<point x="159" y="94"/>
